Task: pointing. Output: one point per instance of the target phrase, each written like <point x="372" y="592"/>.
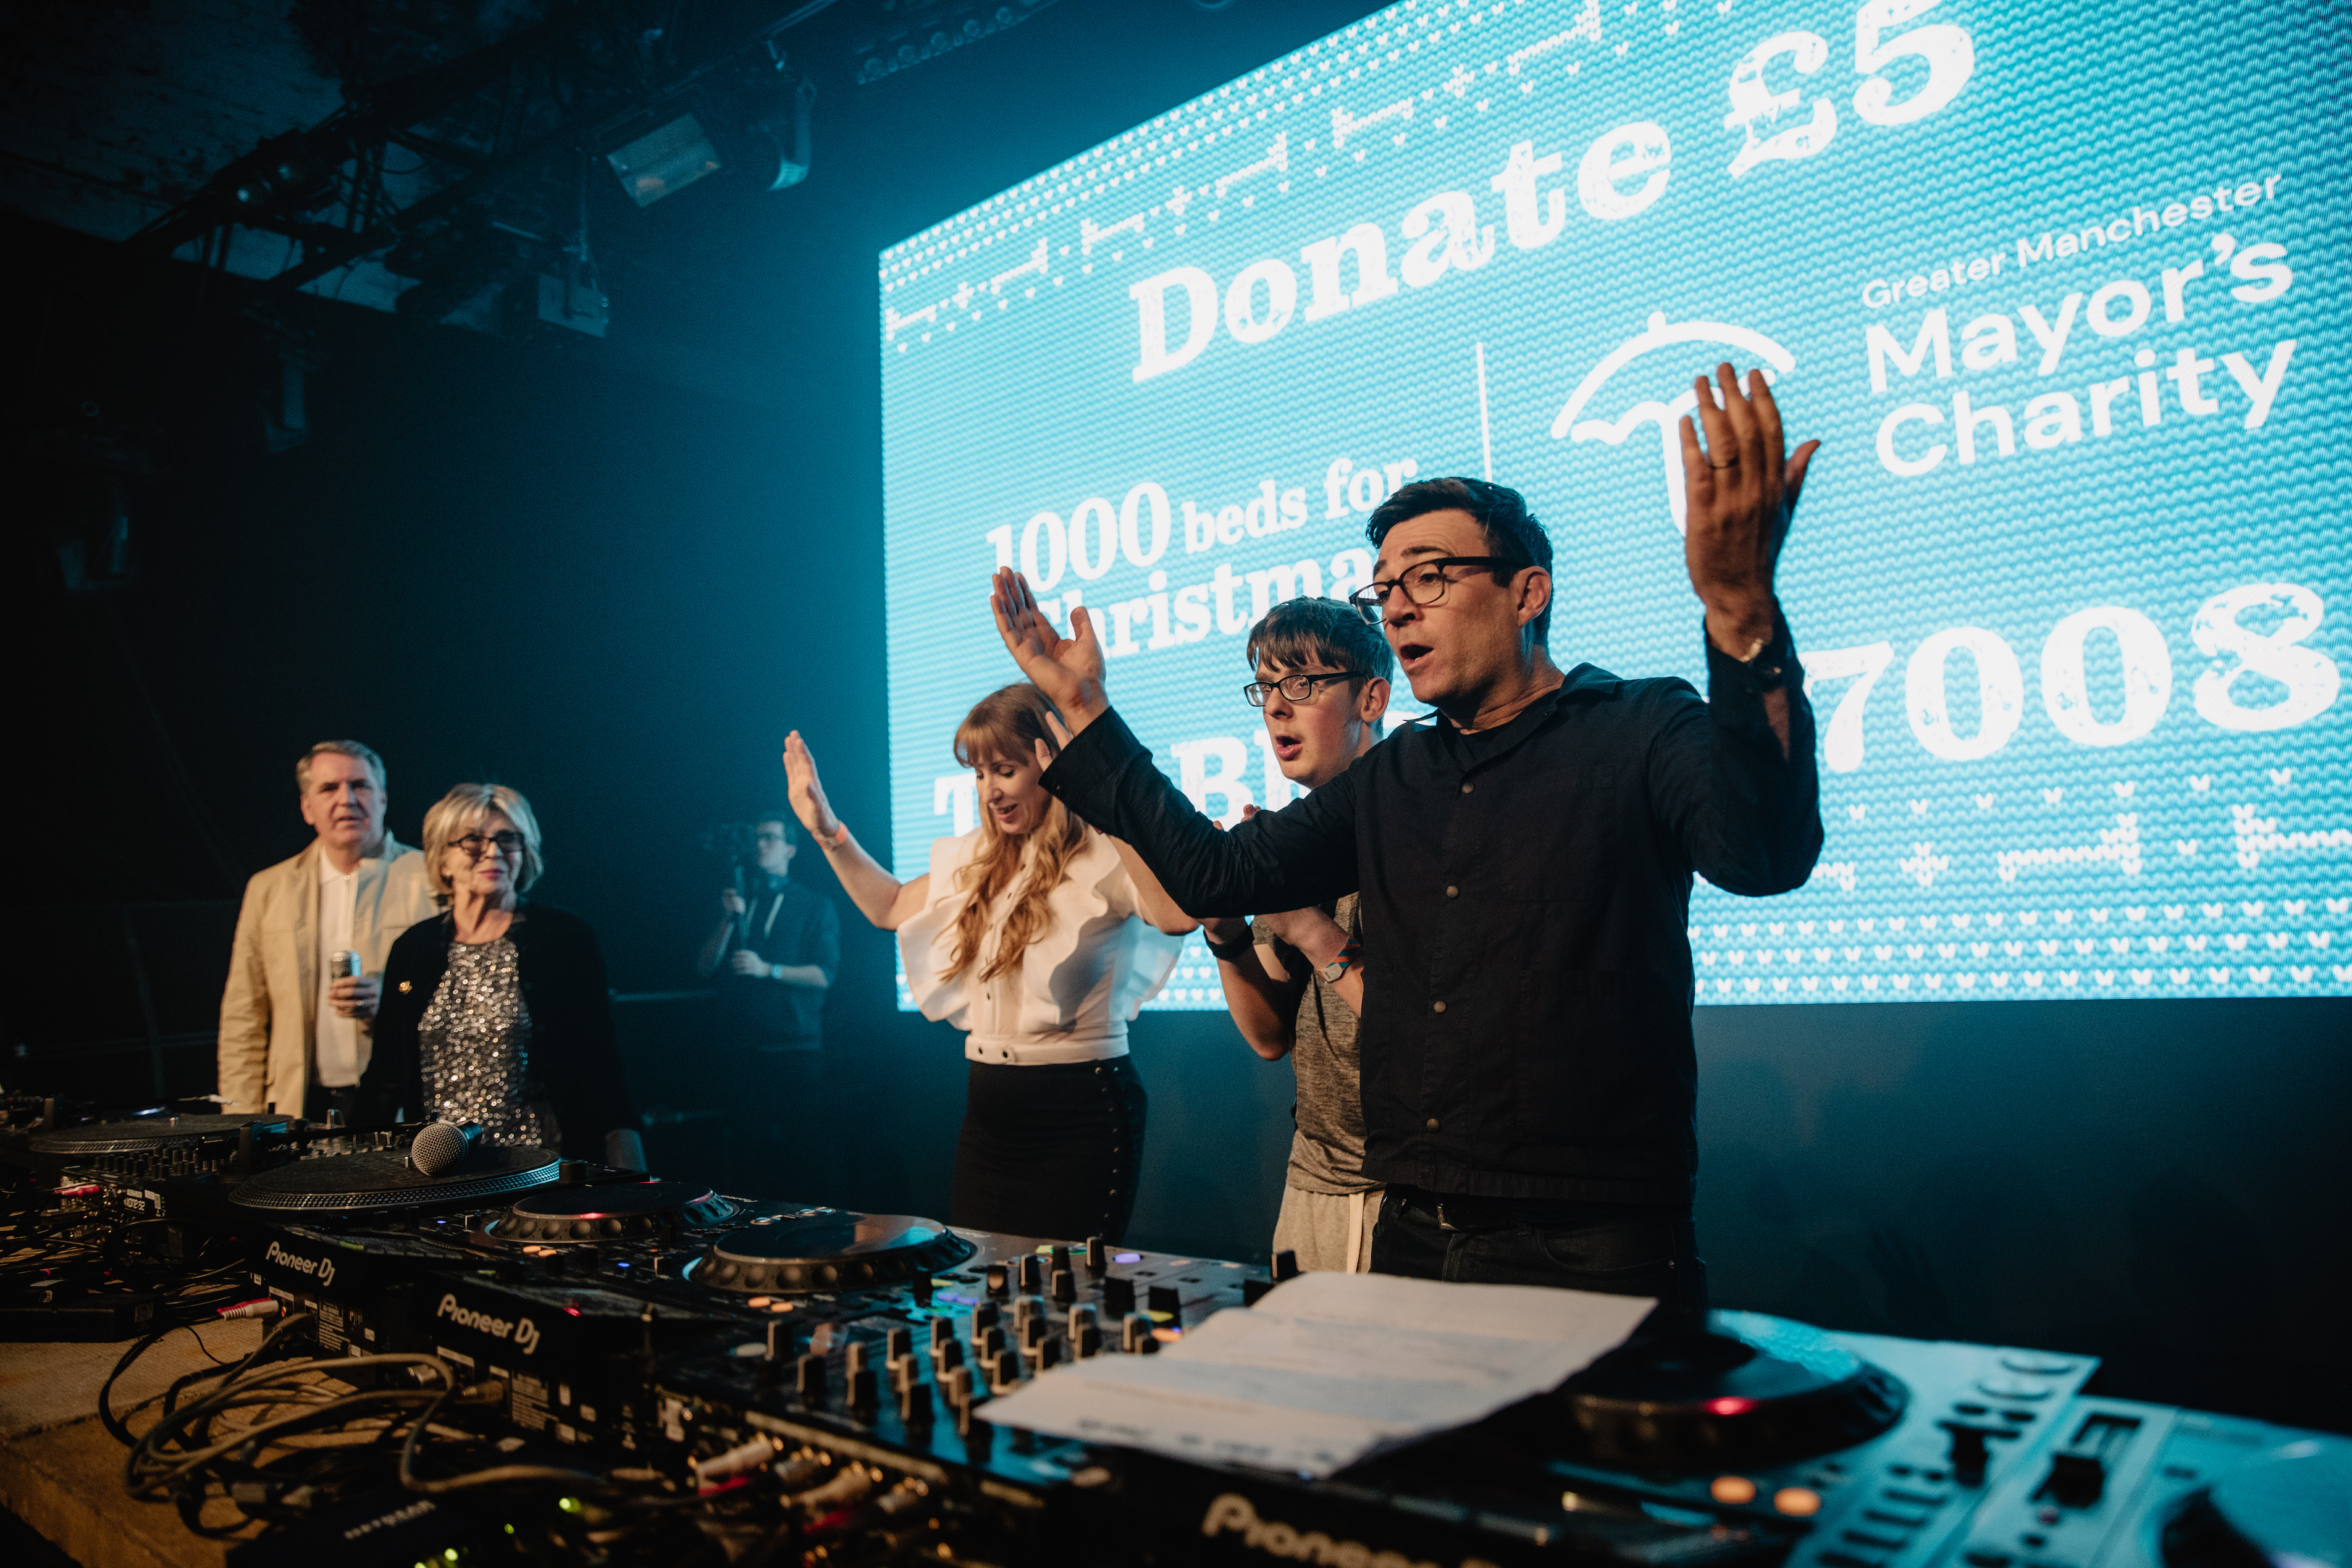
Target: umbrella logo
<point x="1662" y="334"/>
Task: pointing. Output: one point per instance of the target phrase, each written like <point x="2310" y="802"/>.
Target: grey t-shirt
<point x="1327" y="1152"/>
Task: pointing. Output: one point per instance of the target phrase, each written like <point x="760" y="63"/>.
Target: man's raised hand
<point x="1740" y="490"/>
<point x="1069" y="669"/>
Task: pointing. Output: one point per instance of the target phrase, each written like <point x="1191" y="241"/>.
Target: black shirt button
<point x="1431" y="1123"/>
<point x="1437" y="1007"/>
<point x="1453" y="891"/>
<point x="1466" y="789"/>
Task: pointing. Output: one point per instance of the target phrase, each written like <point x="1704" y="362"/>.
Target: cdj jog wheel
<point x="143" y="1134"/>
<point x="380" y="1181"/>
<point x="831" y="1249"/>
<point x="573" y="1214"/>
<point x="1752" y="1390"/>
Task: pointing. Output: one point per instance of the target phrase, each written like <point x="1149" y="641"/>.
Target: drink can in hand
<point x="342" y="965"/>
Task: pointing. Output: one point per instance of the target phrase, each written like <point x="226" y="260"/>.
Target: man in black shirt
<point x="1525" y="864"/>
<point x="776" y="949"/>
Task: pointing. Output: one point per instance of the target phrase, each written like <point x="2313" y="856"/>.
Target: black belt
<point x="1463" y="1212"/>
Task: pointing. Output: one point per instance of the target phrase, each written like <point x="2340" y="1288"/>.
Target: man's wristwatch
<point x="1349" y="952"/>
<point x="1227" y="952"/>
<point x="1767" y="657"/>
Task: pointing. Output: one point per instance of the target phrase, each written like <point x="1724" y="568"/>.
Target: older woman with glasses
<point x="496" y="1011"/>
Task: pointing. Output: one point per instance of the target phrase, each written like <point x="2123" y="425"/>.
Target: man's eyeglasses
<point x="1423" y="583"/>
<point x="1295" y="689"/>
<point x="477" y="844"/>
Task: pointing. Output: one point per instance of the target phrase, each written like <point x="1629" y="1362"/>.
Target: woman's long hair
<point x="1009" y="724"/>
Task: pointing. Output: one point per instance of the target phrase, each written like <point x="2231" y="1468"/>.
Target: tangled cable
<point x="194" y="1450"/>
<point x="50" y="1255"/>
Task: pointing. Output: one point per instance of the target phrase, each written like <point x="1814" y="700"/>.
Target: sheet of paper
<point x="1328" y="1368"/>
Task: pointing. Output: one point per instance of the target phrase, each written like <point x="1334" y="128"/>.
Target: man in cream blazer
<point x="293" y="1036"/>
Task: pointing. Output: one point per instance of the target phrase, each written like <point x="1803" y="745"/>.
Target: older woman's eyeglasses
<point x="1295" y="689"/>
<point x="1423" y="583"/>
<point x="476" y="845"/>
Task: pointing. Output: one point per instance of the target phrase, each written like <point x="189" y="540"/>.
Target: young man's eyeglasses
<point x="476" y="845"/>
<point x="1423" y="583"/>
<point x="1295" y="689"/>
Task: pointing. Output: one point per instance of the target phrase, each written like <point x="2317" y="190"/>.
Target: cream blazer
<point x="269" y="1013"/>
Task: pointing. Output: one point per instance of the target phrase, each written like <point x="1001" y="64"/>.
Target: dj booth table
<point x="597" y="1364"/>
<point x="61" y="1470"/>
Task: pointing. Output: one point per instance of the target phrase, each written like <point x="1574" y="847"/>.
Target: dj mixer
<point x="818" y="1382"/>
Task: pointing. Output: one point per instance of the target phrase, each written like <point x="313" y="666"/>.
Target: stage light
<point x="930" y="35"/>
<point x="569" y="297"/>
<point x="667" y="160"/>
<point x="787" y="125"/>
<point x="286" y="174"/>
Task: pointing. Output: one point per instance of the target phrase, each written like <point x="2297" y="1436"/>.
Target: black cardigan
<point x="575" y="1063"/>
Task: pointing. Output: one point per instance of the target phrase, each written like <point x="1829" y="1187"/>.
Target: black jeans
<point x="1616" y="1249"/>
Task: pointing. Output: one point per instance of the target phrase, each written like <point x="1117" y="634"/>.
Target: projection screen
<point x="2052" y="283"/>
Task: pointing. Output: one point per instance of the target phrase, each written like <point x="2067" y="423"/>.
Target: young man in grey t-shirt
<point x="1292" y="980"/>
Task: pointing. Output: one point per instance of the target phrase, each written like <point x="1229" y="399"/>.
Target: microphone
<point x="442" y="1147"/>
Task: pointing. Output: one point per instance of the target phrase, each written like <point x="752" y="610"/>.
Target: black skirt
<point x="1050" y="1151"/>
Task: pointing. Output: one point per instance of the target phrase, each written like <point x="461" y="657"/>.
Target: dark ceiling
<point x="446" y="160"/>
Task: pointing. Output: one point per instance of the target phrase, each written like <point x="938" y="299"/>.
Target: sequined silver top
<point x="474" y="1045"/>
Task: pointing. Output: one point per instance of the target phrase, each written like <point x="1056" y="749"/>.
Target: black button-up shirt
<point x="1524" y="898"/>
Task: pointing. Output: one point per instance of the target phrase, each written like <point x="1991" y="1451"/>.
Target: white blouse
<point x="1075" y="987"/>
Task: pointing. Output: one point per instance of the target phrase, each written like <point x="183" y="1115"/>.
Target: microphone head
<point x="443" y="1146"/>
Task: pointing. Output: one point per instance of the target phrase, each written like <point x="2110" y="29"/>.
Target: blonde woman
<point x="1040" y="937"/>
<point x="496" y="1011"/>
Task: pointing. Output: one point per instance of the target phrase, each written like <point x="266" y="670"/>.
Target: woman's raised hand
<point x="1069" y="669"/>
<point x="807" y="792"/>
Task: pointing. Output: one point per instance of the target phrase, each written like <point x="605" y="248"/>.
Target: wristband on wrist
<point x="1350" y="951"/>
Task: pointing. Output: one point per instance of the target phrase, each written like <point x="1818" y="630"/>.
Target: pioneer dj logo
<point x="1231" y="1510"/>
<point x="520" y="1332"/>
<point x="319" y="1268"/>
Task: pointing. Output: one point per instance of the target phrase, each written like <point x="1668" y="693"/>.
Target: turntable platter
<point x="572" y="1215"/>
<point x="380" y="1181"/>
<point x="141" y="1134"/>
<point x="828" y="1249"/>
<point x="1753" y="1390"/>
<point x="2289" y="1510"/>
